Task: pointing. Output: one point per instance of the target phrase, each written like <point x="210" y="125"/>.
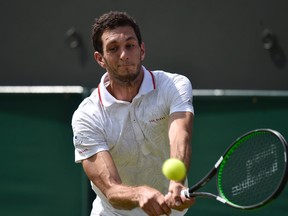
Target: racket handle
<point x="185" y="193"/>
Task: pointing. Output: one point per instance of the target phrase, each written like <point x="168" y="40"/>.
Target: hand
<point x="152" y="201"/>
<point x="174" y="199"/>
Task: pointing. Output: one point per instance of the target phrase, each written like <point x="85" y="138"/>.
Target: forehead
<point x="118" y="34"/>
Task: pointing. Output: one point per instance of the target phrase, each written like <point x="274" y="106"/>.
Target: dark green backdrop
<point x="39" y="176"/>
<point x="219" y="120"/>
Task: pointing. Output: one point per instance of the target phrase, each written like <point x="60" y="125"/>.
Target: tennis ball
<point x="174" y="169"/>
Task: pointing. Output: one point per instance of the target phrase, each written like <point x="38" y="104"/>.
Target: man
<point x="132" y="123"/>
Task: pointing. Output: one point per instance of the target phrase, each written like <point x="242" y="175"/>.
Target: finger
<point x="162" y="208"/>
<point x="187" y="202"/>
<point x="167" y="197"/>
<point x="166" y="209"/>
<point x="190" y="201"/>
<point x="178" y="201"/>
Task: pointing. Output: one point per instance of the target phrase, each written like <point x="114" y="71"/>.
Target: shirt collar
<point x="106" y="99"/>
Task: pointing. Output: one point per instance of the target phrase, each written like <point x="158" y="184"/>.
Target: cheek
<point x="108" y="60"/>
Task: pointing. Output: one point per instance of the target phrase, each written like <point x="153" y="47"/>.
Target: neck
<point x="127" y="91"/>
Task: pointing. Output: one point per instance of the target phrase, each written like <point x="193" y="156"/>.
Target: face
<point x="122" y="56"/>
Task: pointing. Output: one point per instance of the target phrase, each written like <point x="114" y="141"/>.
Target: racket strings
<point x="252" y="169"/>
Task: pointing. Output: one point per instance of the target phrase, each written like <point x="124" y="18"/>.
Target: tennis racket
<point x="251" y="173"/>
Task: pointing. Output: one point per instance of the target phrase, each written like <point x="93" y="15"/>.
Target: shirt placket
<point x="142" y="142"/>
<point x="137" y="129"/>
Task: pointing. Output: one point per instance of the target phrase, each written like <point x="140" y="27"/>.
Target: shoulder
<point x="164" y="78"/>
<point x="88" y="107"/>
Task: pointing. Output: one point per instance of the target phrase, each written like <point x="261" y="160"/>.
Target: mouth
<point x="125" y="65"/>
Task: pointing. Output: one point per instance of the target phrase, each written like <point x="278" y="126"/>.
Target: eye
<point x="112" y="49"/>
<point x="129" y="46"/>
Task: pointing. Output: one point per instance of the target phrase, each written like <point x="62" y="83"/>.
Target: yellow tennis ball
<point x="174" y="169"/>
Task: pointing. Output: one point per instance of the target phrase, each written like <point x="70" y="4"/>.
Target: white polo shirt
<point x="136" y="133"/>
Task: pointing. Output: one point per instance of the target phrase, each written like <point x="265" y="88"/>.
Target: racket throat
<point x="210" y="195"/>
<point x="220" y="199"/>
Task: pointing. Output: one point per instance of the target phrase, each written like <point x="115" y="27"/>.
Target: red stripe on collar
<point x="153" y="80"/>
<point x="99" y="95"/>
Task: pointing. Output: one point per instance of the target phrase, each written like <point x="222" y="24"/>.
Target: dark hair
<point x="112" y="20"/>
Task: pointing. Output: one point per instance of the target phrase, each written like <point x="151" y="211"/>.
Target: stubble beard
<point x="125" y="80"/>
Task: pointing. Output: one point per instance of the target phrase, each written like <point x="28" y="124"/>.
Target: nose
<point x="123" y="54"/>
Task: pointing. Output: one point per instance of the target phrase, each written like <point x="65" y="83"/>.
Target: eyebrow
<point x="128" y="39"/>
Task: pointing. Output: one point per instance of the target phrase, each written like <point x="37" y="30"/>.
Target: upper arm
<point x="101" y="170"/>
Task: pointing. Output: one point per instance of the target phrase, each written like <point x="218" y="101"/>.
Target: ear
<point x="142" y="51"/>
<point x="99" y="58"/>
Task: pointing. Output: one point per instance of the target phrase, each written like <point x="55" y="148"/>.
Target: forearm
<point x="180" y="136"/>
<point x="102" y="171"/>
<point x="147" y="198"/>
<point x="122" y="197"/>
<point x="180" y="148"/>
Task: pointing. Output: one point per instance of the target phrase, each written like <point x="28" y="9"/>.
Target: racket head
<point x="254" y="170"/>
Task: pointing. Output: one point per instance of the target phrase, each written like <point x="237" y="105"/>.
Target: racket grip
<point x="185" y="193"/>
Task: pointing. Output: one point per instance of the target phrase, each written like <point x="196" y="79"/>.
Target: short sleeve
<point x="180" y="94"/>
<point x="88" y="135"/>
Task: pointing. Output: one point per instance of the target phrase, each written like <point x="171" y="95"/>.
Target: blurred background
<point x="234" y="53"/>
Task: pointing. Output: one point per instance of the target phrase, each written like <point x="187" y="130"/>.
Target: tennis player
<point x="130" y="124"/>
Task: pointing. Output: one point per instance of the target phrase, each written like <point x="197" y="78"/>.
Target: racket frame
<point x="192" y="191"/>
